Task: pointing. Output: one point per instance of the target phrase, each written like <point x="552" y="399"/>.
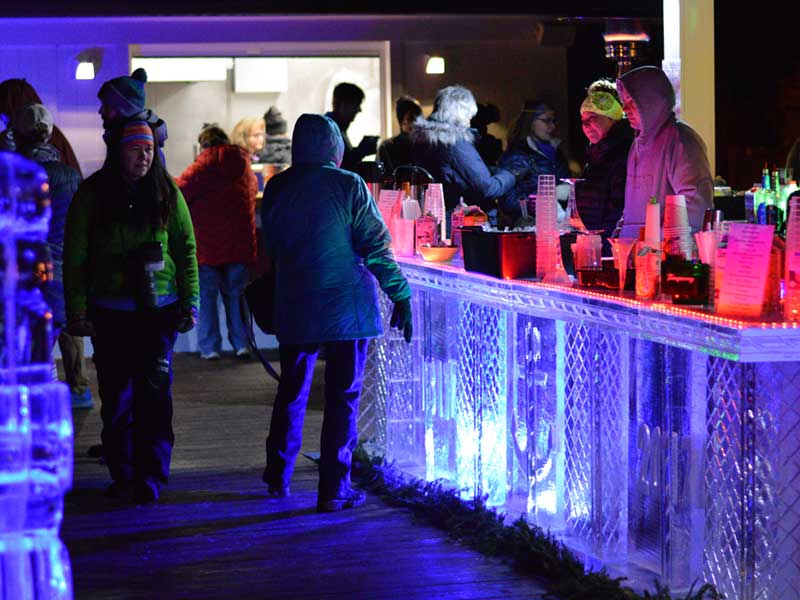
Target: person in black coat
<point x="33" y="128"/>
<point x="347" y="99"/>
<point x="443" y="144"/>
<point x="600" y="197"/>
<point x="396" y="152"/>
<point x="489" y="147"/>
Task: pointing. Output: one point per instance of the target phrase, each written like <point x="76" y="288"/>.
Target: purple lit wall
<point x="496" y="56"/>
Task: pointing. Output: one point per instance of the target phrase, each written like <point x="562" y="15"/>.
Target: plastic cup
<point x="404" y="242"/>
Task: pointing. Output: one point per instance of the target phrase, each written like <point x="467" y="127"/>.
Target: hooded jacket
<point x="667" y="156"/>
<point x="220" y="189"/>
<point x="447" y="151"/>
<point x="327" y="240"/>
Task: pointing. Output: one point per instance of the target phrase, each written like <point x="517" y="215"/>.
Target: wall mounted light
<point x="88" y="63"/>
<point x="434" y="65"/>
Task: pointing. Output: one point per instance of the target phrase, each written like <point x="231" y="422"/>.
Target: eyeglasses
<point x="547" y="121"/>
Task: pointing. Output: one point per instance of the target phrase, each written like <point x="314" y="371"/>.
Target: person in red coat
<point x="220" y="189"/>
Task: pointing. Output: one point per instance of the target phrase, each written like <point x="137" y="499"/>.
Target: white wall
<point x="186" y="106"/>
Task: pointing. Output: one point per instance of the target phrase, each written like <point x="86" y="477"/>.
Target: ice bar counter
<point x="658" y="441"/>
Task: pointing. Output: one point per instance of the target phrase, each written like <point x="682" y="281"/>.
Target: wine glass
<point x="556" y="274"/>
<point x="621" y="247"/>
<point x="573" y="217"/>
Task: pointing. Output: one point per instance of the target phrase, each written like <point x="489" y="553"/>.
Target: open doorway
<point x="188" y="91"/>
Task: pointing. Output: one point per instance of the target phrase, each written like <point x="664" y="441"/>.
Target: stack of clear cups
<point x="546" y="224"/>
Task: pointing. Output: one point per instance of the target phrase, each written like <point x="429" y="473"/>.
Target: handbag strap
<point x="251" y="341"/>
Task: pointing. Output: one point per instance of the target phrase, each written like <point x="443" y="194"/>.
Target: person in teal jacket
<point x="131" y="283"/>
<point x="329" y="245"/>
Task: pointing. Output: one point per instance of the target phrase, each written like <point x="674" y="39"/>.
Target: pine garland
<point x="530" y="549"/>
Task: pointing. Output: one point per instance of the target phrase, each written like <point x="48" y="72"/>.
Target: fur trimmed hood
<point x="436" y="133"/>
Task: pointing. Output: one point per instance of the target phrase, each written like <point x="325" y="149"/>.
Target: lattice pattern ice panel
<point x="578" y="423"/>
<point x="776" y="494"/>
<point x="726" y="477"/>
<point x="405" y="426"/>
<point x="609" y="383"/>
<point x="372" y="405"/>
<point x="481" y="402"/>
<point x="596" y="439"/>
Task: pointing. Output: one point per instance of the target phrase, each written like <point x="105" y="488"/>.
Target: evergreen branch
<point x="527" y="547"/>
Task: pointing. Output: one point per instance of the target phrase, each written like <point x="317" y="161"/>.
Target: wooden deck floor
<point x="215" y="534"/>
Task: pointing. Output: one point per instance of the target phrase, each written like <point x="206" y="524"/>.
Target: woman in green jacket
<point x="131" y="283"/>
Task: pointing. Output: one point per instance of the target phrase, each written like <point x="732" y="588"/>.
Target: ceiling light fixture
<point x="434" y="65"/>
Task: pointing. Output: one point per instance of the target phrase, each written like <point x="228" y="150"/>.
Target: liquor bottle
<point x="750" y="203"/>
<point x="763" y="196"/>
<point x="774" y="214"/>
<point x="456" y="223"/>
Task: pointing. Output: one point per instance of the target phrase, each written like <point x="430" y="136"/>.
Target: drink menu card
<point x="746" y="267"/>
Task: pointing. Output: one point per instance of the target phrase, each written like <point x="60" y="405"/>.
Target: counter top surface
<point x="688" y="327"/>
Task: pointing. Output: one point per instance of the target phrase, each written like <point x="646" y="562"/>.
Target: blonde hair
<point x="241" y="130"/>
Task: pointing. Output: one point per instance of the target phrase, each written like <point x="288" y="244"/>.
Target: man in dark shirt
<point x="347" y="99"/>
<point x="396" y="151"/>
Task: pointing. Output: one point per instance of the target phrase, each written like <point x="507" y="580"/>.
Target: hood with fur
<point x="428" y="131"/>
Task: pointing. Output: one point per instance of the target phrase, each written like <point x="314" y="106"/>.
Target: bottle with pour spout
<point x="648" y="254"/>
<point x="456" y="223"/>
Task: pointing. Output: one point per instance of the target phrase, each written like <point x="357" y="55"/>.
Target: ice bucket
<point x="505" y="254"/>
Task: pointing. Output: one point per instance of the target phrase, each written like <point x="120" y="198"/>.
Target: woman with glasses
<point x="250" y="133"/>
<point x="533" y="145"/>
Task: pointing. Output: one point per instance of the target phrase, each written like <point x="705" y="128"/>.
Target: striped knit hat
<point x="137" y="132"/>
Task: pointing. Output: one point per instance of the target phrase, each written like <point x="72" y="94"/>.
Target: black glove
<point x="79" y="326"/>
<point x="188" y="319"/>
<point x="401" y="318"/>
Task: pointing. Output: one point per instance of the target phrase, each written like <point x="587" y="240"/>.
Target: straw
<point x="707" y="242"/>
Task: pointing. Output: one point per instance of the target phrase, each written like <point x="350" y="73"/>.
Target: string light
<point x="696" y="314"/>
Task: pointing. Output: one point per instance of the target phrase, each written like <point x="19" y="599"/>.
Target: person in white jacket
<point x="667" y="156"/>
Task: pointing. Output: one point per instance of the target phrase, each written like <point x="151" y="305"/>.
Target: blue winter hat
<point x="125" y="94"/>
